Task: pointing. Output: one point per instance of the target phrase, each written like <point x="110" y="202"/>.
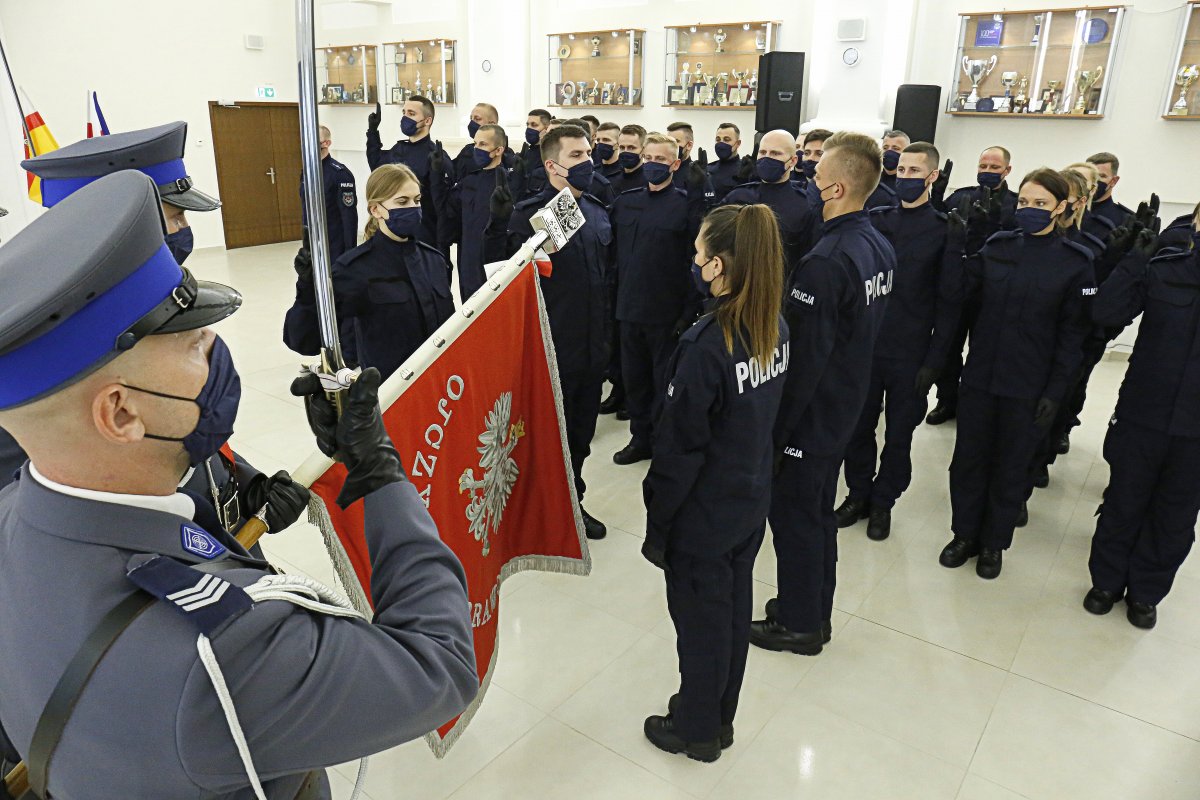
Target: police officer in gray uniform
<point x="235" y="488"/>
<point x="145" y="653"/>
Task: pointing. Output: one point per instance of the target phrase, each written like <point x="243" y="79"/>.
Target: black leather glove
<point x="437" y="161"/>
<point x="303" y="265"/>
<point x="501" y="202"/>
<point x="1147" y="213"/>
<point x="746" y="171"/>
<point x="1145" y="245"/>
<point x="698" y="172"/>
<point x="654" y="553"/>
<point x="956" y="232"/>
<point x="937" y="192"/>
<point x="284" y="498"/>
<point x="925" y="378"/>
<point x="1120" y="240"/>
<point x="357" y="438"/>
<point x="374" y="117"/>
<point x="1047" y="410"/>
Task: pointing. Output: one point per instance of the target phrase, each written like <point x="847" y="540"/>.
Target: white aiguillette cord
<point x="299" y="591"/>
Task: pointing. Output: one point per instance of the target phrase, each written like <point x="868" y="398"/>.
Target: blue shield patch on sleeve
<point x="199" y="543"/>
<point x="206" y="600"/>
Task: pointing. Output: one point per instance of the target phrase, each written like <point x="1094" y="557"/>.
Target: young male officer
<point x="798" y="221"/>
<point x="834" y="308"/>
<point x="482" y="114"/>
<point x="903" y="366"/>
<point x="653" y="228"/>
<point x="417" y="151"/>
<point x="725" y="170"/>
<point x="186" y="697"/>
<point x="629" y="155"/>
<point x="893" y="145"/>
<point x="465" y="209"/>
<point x="1106" y="213"/>
<point x="606" y="155"/>
<point x="995" y="165"/>
<point x="575" y="293"/>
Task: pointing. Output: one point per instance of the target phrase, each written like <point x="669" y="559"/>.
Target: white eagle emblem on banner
<point x="490" y="492"/>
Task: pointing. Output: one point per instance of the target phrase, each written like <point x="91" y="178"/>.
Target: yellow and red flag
<point x="43" y="142"/>
<point x="476" y="415"/>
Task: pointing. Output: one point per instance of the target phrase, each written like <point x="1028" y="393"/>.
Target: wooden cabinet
<point x="347" y="75"/>
<point x="1036" y="64"/>
<point x="716" y="66"/>
<point x="1183" y="87"/>
<point x="424" y="67"/>
<point x="596" y="68"/>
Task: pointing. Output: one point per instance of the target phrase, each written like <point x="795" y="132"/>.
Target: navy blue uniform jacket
<point x="576" y="295"/>
<point x="1104" y="217"/>
<point x="625" y="181"/>
<point x="1033" y="293"/>
<point x="415" y="156"/>
<point x="654" y="233"/>
<point x="396" y="294"/>
<point x="798" y="223"/>
<point x="462" y="219"/>
<point x="724" y="177"/>
<point x="834" y="308"/>
<point x="341" y="206"/>
<point x="709" y="484"/>
<point x="918" y="236"/>
<point x="1161" y="389"/>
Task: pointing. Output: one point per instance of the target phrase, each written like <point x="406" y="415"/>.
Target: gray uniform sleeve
<point x="312" y="690"/>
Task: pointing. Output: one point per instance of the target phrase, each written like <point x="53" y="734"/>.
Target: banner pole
<point x="17" y="99"/>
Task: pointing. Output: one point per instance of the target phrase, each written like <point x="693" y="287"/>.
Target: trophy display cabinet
<point x="1183" y="85"/>
<point x="716" y="65"/>
<point x="347" y="75"/>
<point x="422" y="67"/>
<point x="1038" y="63"/>
<point x="596" y="68"/>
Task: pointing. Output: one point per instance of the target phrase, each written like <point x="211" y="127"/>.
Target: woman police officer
<point x="708" y="489"/>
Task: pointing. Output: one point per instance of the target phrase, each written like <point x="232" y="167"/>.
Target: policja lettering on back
<point x="750" y="369"/>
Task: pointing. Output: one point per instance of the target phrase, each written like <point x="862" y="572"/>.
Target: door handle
<point x="271" y="172"/>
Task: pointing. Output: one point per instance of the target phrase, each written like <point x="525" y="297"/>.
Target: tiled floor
<point x="937" y="685"/>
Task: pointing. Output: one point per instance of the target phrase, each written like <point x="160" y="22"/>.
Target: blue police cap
<point x="86" y="281"/>
<point x="157" y="151"/>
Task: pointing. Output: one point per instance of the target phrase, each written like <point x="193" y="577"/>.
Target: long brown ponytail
<point x="747" y="240"/>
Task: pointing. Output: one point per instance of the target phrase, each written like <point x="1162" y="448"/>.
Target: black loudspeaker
<point x="917" y="107"/>
<point x="780" y="91"/>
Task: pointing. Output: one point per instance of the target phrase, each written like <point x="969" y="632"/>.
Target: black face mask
<point x="180" y="244"/>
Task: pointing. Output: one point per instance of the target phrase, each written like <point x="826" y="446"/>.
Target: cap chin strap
<point x="181" y="298"/>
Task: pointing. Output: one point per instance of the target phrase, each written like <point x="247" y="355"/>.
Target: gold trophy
<point x="1084" y="81"/>
<point x="1184" y="80"/>
<point x="1021" y="101"/>
<point x="719" y="37"/>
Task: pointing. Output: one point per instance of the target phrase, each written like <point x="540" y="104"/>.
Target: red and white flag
<point x="476" y="415"/>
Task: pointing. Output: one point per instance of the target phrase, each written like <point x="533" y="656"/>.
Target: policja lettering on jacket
<point x="757" y="375"/>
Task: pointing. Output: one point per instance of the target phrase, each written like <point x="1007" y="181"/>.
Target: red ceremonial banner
<point x="481" y="435"/>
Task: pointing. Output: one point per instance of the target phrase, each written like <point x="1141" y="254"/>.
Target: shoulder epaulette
<point x="693" y="333"/>
<point x="1079" y="248"/>
<point x="206" y="600"/>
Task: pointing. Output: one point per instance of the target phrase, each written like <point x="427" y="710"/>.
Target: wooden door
<point x="257" y="152"/>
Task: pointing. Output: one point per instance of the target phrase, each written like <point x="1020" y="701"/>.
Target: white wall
<point x="151" y="62"/>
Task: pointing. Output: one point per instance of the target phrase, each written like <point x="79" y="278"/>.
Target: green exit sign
<point x="264" y="92"/>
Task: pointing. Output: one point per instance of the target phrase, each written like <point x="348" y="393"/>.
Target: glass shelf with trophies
<point x="1183" y="91"/>
<point x="1050" y="63"/>
<point x="716" y="66"/>
<point x="346" y="75"/>
<point x="596" y="68"/>
<point x="423" y="67"/>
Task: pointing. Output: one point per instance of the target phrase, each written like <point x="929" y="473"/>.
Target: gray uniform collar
<point x="125" y="527"/>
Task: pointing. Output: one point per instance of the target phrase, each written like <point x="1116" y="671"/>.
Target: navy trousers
<point x="711" y="601"/>
<point x="893" y="391"/>
<point x="804" y="529"/>
<point x="989" y="473"/>
<point x="1148" y="518"/>
<point x="645" y="351"/>
<point x="581" y="408"/>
